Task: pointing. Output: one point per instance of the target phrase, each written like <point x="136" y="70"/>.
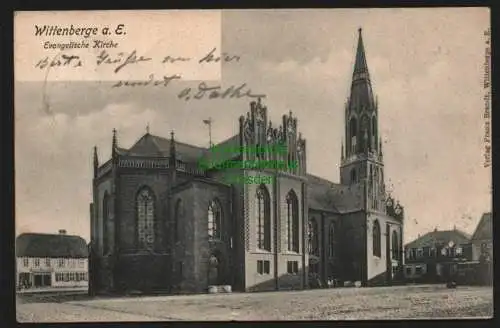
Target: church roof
<point x="484" y="229"/>
<point x="50" y="245"/>
<point x="440" y="237"/>
<point x="227" y="150"/>
<point x="151" y="145"/>
<point x="328" y="196"/>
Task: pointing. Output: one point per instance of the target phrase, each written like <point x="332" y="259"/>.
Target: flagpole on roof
<point x="209" y="123"/>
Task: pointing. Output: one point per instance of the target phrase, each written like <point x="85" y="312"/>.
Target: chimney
<point x="435" y="229"/>
<point x="62" y="232"/>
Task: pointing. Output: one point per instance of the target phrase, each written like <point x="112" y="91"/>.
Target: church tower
<point x="361" y="158"/>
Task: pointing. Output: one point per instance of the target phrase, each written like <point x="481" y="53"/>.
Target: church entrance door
<point x="213" y="270"/>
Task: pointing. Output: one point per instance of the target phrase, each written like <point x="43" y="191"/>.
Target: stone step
<point x="219" y="289"/>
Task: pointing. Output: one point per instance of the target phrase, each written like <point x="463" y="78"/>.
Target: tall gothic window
<point x="313" y="242"/>
<point x="105" y="219"/>
<point x="353" y="129"/>
<point x="331" y="240"/>
<point x="292" y="221"/>
<point x="177" y="218"/>
<point x="395" y="245"/>
<point x="263" y="207"/>
<point x="214" y="220"/>
<point x="365" y="134"/>
<point x="377" y="247"/>
<point x="145" y="218"/>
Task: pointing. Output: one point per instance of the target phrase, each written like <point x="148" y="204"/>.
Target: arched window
<point x="145" y="218"/>
<point x="105" y="219"/>
<point x="353" y="176"/>
<point x="365" y="135"/>
<point x="377" y="247"/>
<point x="395" y="245"/>
<point x="263" y="207"/>
<point x="177" y="218"/>
<point x="214" y="220"/>
<point x="353" y="129"/>
<point x="292" y="221"/>
<point x="313" y="242"/>
<point x="374" y="131"/>
<point x="331" y="240"/>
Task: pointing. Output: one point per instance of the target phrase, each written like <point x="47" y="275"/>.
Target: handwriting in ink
<point x="223" y="57"/>
<point x="122" y="60"/>
<point x="171" y="60"/>
<point x="63" y="60"/>
<point x="151" y="81"/>
<point x="214" y="92"/>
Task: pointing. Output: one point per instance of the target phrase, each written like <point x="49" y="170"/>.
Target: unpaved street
<point x="327" y="304"/>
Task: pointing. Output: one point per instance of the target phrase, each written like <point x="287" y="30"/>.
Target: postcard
<point x="236" y="165"/>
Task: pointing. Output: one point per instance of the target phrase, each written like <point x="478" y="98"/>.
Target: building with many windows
<point x="51" y="261"/>
<point x="428" y="256"/>
<point x="160" y="221"/>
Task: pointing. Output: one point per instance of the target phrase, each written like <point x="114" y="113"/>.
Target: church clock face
<point x="398" y="210"/>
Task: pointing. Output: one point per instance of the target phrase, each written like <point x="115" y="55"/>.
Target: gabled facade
<point x="482" y="239"/>
<point x="163" y="218"/>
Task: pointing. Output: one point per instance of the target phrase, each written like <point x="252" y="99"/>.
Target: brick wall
<point x="202" y="249"/>
<point x="143" y="272"/>
<point x="103" y="187"/>
<point x="353" y="246"/>
<point x="183" y="278"/>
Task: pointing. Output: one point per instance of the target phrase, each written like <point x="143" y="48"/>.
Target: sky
<point x="426" y="67"/>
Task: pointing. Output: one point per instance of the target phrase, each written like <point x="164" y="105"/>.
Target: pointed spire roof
<point x="361" y="88"/>
<point x="360" y="65"/>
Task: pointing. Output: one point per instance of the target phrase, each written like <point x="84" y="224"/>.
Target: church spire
<point x="361" y="115"/>
<point x="361" y="89"/>
<point x="361" y="125"/>
<point x="360" y="65"/>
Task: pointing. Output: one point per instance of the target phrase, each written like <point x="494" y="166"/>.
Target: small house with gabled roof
<point x="51" y="260"/>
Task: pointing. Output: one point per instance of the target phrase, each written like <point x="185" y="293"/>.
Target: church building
<point x="160" y="222"/>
